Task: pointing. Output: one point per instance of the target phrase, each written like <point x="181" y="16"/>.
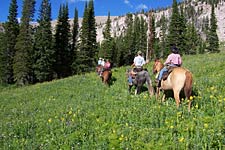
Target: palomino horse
<point x="180" y="78"/>
<point x="140" y="79"/>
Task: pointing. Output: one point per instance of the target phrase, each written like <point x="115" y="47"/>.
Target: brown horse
<point x="98" y="69"/>
<point x="180" y="78"/>
<point x="106" y="76"/>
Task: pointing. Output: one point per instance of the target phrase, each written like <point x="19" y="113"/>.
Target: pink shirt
<point x="174" y="59"/>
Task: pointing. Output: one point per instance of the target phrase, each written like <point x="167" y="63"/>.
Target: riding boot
<point x="159" y="83"/>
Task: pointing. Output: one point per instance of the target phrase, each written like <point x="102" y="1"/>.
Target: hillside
<point x="118" y="24"/>
<point x="80" y="112"/>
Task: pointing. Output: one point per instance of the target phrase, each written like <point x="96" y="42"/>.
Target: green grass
<point x="80" y="112"/>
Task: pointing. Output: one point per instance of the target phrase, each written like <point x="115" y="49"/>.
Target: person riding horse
<point x="137" y="65"/>
<point x="173" y="60"/>
<point x="107" y="66"/>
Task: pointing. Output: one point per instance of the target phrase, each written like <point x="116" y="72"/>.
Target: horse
<point x="98" y="69"/>
<point x="180" y="78"/>
<point x="139" y="80"/>
<point x="106" y="76"/>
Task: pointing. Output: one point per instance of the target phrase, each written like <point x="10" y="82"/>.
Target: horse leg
<point x="106" y="80"/>
<point x="164" y="97"/>
<point x="129" y="88"/>
<point x="176" y="93"/>
<point x="150" y="88"/>
<point x="137" y="90"/>
<point x="157" y="92"/>
<point x="188" y="88"/>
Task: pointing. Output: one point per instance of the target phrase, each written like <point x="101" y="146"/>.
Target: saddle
<point x="166" y="74"/>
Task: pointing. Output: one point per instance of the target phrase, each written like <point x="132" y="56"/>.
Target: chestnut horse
<point x="180" y="78"/>
<point x="98" y="69"/>
<point x="106" y="75"/>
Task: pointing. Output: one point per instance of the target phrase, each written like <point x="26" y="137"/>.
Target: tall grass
<point x="80" y="112"/>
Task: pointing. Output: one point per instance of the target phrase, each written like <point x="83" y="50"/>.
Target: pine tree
<point x="150" y="36"/>
<point x="173" y="37"/>
<point x="107" y="45"/>
<point x="137" y="32"/>
<point x="192" y="39"/>
<point x="182" y="33"/>
<point x="43" y="67"/>
<point x="163" y="36"/>
<point x="22" y="63"/>
<point x="92" y="43"/>
<point x="213" y="39"/>
<point x="82" y="60"/>
<point x="88" y="46"/>
<point x="142" y="35"/>
<point x="74" y="45"/>
<point x="11" y="33"/>
<point x="128" y="52"/>
<point x="2" y="57"/>
<point x="63" y="56"/>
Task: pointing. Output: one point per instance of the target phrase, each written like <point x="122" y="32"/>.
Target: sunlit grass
<point x="80" y="112"/>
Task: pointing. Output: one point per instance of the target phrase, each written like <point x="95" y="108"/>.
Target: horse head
<point x="98" y="69"/>
<point x="158" y="65"/>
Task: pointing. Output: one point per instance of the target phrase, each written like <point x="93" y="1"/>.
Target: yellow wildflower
<point x="70" y="112"/>
<point x="206" y="125"/>
<point x="114" y="131"/>
<point x="49" y="120"/>
<point x="181" y="139"/>
<point x="196" y="106"/>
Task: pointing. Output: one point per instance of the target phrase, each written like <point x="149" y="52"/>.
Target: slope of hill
<point x="80" y="112"/>
<point x="118" y="25"/>
<point x="118" y="22"/>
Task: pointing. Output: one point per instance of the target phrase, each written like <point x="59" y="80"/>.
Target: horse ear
<point x="157" y="59"/>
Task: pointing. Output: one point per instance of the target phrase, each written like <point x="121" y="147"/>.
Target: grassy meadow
<point x="80" y="112"/>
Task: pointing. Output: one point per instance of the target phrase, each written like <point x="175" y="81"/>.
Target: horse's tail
<point x="188" y="87"/>
<point x="188" y="84"/>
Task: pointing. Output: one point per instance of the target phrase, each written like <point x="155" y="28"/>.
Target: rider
<point x="173" y="60"/>
<point x="138" y="63"/>
<point x="107" y="66"/>
<point x="100" y="61"/>
<point x="103" y="62"/>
